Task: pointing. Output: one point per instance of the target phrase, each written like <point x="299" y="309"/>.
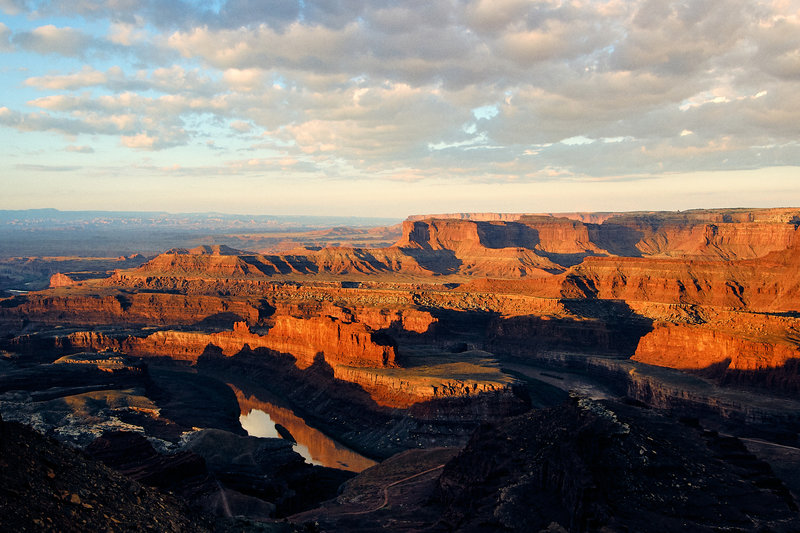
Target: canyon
<point x="469" y="328"/>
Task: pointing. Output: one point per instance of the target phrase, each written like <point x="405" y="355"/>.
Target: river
<point x="258" y="417"/>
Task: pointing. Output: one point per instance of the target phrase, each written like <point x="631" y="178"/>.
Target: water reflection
<point x="257" y="423"/>
<point x="258" y="418"/>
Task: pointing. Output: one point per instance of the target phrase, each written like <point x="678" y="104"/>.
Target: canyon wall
<point x="122" y="308"/>
<point x="340" y="343"/>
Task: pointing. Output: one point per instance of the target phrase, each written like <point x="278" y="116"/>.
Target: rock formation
<point x="60" y="280"/>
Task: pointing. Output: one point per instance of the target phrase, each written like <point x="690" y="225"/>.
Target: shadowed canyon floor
<point x="470" y="329"/>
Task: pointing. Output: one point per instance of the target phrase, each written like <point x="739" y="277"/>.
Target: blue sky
<point x="391" y="108"/>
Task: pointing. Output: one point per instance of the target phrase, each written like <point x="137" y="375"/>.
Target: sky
<point x="391" y="108"/>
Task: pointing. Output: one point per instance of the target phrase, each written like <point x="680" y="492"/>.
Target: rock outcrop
<point x="404" y="388"/>
<point x="60" y="280"/>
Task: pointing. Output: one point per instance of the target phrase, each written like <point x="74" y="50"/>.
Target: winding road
<point x="393" y="484"/>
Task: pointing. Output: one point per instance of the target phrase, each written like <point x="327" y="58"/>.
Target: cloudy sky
<point x="396" y="107"/>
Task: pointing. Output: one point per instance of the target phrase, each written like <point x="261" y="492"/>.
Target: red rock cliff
<point x="341" y="343"/>
<point x="695" y="347"/>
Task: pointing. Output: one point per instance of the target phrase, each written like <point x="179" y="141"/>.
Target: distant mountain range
<point x="50" y="232"/>
<point x="56" y="219"/>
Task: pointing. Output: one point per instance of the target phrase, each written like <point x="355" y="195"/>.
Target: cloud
<point x="165" y="14"/>
<point x="241" y="126"/>
<point x="47" y="168"/>
<point x="244" y="79"/>
<point x="86" y="77"/>
<point x="141" y="141"/>
<point x="45" y="122"/>
<point x="79" y="149"/>
<point x="778" y="51"/>
<point x="173" y="79"/>
<point x="126" y="34"/>
<point x="142" y="123"/>
<point x="5" y="39"/>
<point x="12" y="7"/>
<point x="50" y="39"/>
<point x="366" y="88"/>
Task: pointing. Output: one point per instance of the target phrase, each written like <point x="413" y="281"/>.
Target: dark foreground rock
<point x="266" y="469"/>
<point x="589" y="466"/>
<point x="584" y="466"/>
<point x="183" y="473"/>
<point x="45" y="486"/>
<point x="223" y="474"/>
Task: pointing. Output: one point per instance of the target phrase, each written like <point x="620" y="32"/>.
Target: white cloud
<point x="173" y="79"/>
<point x="140" y="141"/>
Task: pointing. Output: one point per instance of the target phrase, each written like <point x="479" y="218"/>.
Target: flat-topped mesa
<point x="737" y="214"/>
<point x="402" y="389"/>
<point x="486" y="217"/>
<point x="725" y="234"/>
<point x="464" y="235"/>
<point x="476" y="249"/>
<point x="698" y="235"/>
<point x="186" y="263"/>
<point x="541" y="233"/>
<point x="508" y="246"/>
<point x="111" y="363"/>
